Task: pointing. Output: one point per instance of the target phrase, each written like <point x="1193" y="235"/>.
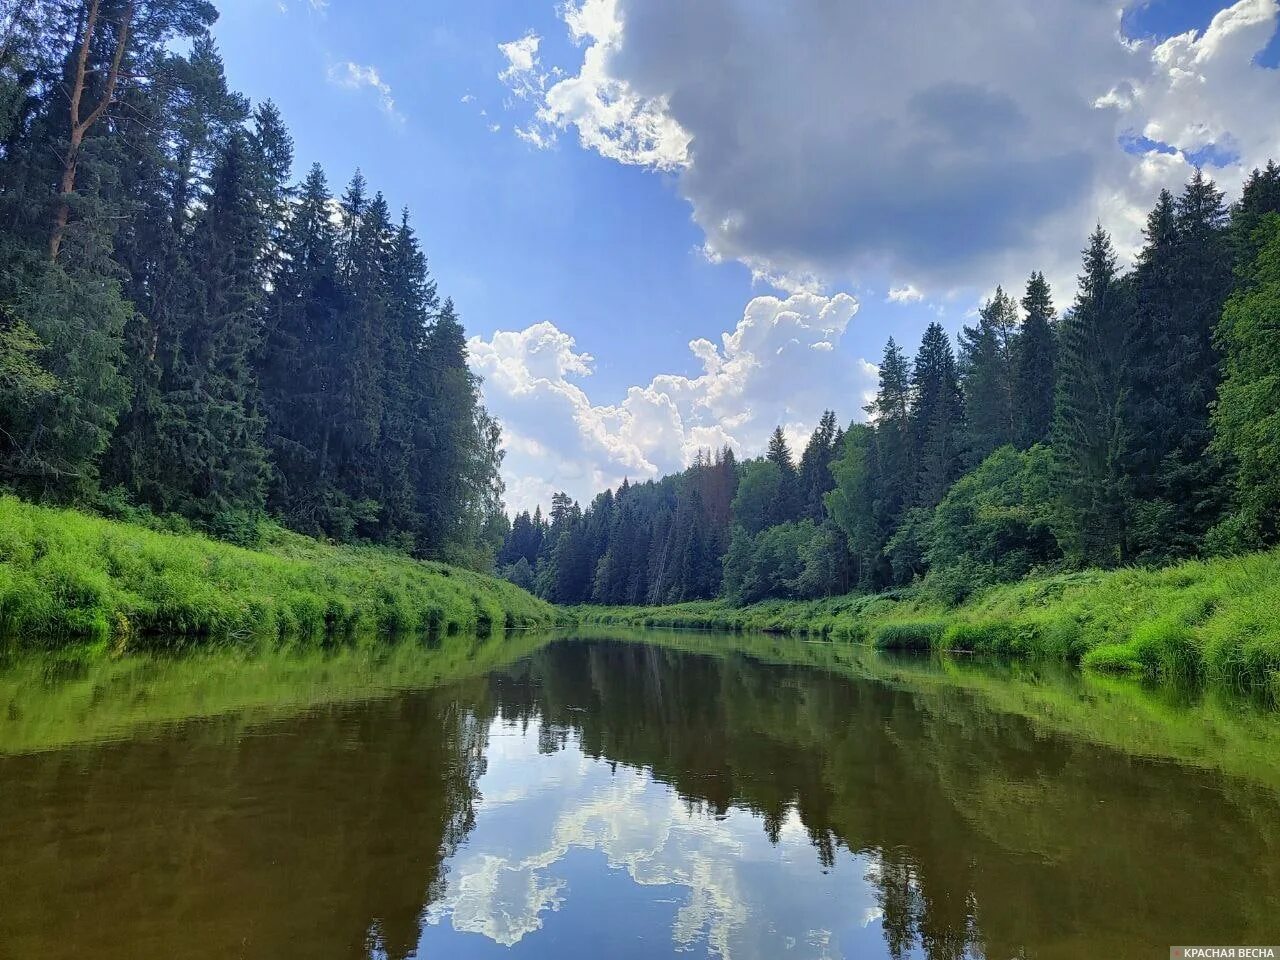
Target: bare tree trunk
<point x="81" y="126"/>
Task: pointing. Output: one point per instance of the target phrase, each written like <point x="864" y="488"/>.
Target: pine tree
<point x="174" y="326"/>
<point x="168" y="139"/>
<point x="272" y="155"/>
<point x="1152" y="342"/>
<point x="360" y="345"/>
<point x="1151" y="402"/>
<point x="1034" y="362"/>
<point x="1088" y="432"/>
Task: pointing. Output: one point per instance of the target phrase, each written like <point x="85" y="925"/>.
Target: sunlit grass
<point x="64" y="574"/>
<point x="1213" y="619"/>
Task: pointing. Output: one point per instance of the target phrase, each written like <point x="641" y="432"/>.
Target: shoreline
<point x="1212" y="620"/>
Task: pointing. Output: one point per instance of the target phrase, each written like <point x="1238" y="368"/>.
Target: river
<point x="614" y="795"/>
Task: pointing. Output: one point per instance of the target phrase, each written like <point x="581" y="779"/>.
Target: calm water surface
<point x="615" y="798"/>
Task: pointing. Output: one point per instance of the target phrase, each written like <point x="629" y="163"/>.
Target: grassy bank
<point x="64" y="574"/>
<point x="1215" y="619"/>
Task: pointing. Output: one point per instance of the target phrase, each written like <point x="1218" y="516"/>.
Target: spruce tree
<point x="938" y="430"/>
<point x="210" y="430"/>
<point x="1181" y="281"/>
<point x="1259" y="197"/>
<point x="359" y="347"/>
<point x="987" y="375"/>
<point x="890" y="413"/>
<point x="815" y="468"/>
<point x="403" y="436"/>
<point x="1034" y="360"/>
<point x="53" y="439"/>
<point x="787" y="505"/>
<point x="1088" y="430"/>
<point x="454" y="468"/>
<point x="301" y="368"/>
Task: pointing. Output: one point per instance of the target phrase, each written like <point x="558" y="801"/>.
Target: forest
<point x="1139" y="426"/>
<point x="190" y="340"/>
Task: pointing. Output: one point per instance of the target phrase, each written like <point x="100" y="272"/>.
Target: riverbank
<point x="1213" y="619"/>
<point x="66" y="575"/>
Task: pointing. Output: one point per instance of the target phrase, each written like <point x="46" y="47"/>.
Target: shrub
<point x="908" y="635"/>
<point x="994" y="637"/>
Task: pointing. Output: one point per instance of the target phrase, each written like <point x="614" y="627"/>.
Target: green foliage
<point x="853" y="506"/>
<point x="1247" y="415"/>
<point x="894" y="461"/>
<point x="908" y="548"/>
<point x="1035" y="362"/>
<point x="787" y="560"/>
<point x="182" y="328"/>
<point x="987" y="376"/>
<point x="1089" y="429"/>
<point x="759" y="491"/>
<point x="1182" y="278"/>
<point x="938" y="429"/>
<point x="908" y="635"/>
<point x="996" y="525"/>
<point x="52" y="438"/>
<point x="1216" y="620"/>
<point x="23" y="381"/>
<point x="814" y="475"/>
<point x="64" y="574"/>
<point x="786" y="504"/>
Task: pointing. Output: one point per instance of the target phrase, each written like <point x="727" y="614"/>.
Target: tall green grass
<point x="66" y="575"/>
<point x="1213" y="620"/>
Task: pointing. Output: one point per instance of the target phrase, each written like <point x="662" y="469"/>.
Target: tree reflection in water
<point x="612" y="796"/>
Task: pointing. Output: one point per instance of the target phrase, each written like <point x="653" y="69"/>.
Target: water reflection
<point x="548" y="829"/>
<point x="626" y="799"/>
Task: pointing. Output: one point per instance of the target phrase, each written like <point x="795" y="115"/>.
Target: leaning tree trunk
<point x="81" y="123"/>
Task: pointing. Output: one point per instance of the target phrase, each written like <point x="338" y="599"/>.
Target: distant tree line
<point x="185" y="332"/>
<point x="1141" y="426"/>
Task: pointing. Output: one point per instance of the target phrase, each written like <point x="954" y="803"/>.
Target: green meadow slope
<point x="1214" y="619"/>
<point x="65" y="575"/>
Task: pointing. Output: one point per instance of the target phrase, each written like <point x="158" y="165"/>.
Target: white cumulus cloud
<point x="958" y="143"/>
<point x="779" y="365"/>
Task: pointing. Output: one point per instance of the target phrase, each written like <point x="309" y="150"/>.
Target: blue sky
<point x="672" y="224"/>
<point x="514" y="234"/>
